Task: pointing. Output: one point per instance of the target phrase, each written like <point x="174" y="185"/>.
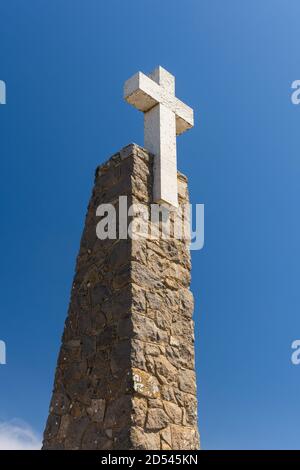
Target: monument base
<point x="125" y="376"/>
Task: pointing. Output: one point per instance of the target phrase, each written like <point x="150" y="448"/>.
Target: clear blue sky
<point x="65" y="62"/>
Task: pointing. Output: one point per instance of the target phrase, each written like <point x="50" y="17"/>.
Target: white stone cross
<point x="165" y="116"/>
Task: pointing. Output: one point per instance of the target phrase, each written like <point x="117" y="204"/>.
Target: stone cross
<point x="165" y="116"/>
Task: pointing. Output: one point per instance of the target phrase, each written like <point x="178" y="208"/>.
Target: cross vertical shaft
<point x="163" y="146"/>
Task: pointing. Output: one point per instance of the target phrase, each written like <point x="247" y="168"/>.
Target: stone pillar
<point x="125" y="376"/>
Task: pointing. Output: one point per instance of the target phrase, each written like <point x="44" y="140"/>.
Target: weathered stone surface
<point x="93" y="438"/>
<point x="140" y="440"/>
<point x="59" y="403"/>
<point x="145" y="384"/>
<point x="184" y="438"/>
<point x="125" y="374"/>
<point x="53" y="424"/>
<point x="165" y="371"/>
<point x="187" y="381"/>
<point x="157" y="419"/>
<point x="63" y="428"/>
<point x="118" y="412"/>
<point x="174" y="412"/>
<point x="139" y="411"/>
<point x="76" y="430"/>
<point x="96" y="410"/>
<point x="166" y="437"/>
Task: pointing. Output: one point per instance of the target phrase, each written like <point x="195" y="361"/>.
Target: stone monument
<point x="125" y="376"/>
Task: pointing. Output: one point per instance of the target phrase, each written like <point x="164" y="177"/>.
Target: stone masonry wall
<point x="125" y="376"/>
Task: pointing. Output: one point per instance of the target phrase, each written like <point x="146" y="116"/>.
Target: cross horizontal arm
<point x="144" y="93"/>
